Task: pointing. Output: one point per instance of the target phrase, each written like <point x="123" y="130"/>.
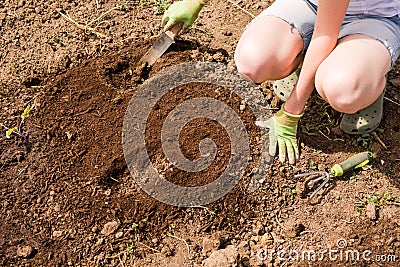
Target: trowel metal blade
<point x="158" y="49"/>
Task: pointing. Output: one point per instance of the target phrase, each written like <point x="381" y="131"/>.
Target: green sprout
<point x="366" y="141"/>
<point x="17" y="129"/>
<point x="381" y="200"/>
<point x="10" y="131"/>
<point x="375" y="199"/>
<point x="122" y="7"/>
<point x="293" y="191"/>
<point x="56" y="39"/>
<point x="313" y="165"/>
<point x="25" y="114"/>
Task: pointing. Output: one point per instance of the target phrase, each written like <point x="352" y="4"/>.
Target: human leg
<point x="271" y="46"/>
<point x="352" y="79"/>
<point x="260" y="57"/>
<point x="353" y="76"/>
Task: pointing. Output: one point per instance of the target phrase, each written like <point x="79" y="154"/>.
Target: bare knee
<point x="249" y="67"/>
<point x="259" y="65"/>
<point x="248" y="64"/>
<point x="341" y="90"/>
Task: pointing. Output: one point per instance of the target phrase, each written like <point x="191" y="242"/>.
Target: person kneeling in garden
<point x="345" y="48"/>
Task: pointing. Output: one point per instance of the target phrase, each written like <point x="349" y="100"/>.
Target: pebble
<point x="109" y="228"/>
<point x="119" y="235"/>
<point x="395" y="82"/>
<point x="293" y="228"/>
<point x="24" y="251"/>
<point x="2" y="17"/>
<point x="21" y="3"/>
<point x="107" y="192"/>
<point x="222" y="258"/>
<point x="57" y="234"/>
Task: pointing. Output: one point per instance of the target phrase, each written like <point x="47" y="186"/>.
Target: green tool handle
<point x="354" y="162"/>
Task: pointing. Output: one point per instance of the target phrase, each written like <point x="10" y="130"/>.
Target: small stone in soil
<point x="293" y="228"/>
<point x="109" y="228"/>
<point x="222" y="258"/>
<point x="57" y="234"/>
<point x="24" y="251"/>
<point x="119" y="235"/>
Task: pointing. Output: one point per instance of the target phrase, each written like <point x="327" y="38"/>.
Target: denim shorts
<point x="301" y="14"/>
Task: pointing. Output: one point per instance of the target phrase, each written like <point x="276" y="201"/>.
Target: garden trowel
<point x="161" y="45"/>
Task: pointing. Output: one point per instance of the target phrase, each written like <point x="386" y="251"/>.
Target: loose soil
<point x="68" y="199"/>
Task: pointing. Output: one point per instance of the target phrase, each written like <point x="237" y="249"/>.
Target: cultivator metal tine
<point x="324" y="175"/>
<point x="327" y="178"/>
<point x="310" y="173"/>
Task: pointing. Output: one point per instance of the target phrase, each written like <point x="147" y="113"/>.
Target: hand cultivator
<point x="354" y="162"/>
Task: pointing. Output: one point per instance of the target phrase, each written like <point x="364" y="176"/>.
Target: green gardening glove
<point x="282" y="132"/>
<point x="185" y="11"/>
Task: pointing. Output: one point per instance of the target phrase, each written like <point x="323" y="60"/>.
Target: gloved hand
<point x="185" y="11"/>
<point x="282" y="132"/>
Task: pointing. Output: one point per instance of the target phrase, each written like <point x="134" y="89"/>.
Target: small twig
<point x="102" y="15"/>
<point x="198" y="206"/>
<point x="82" y="27"/>
<point x="153" y="249"/>
<point x="375" y="135"/>
<point x="23" y="169"/>
<point x="390" y="100"/>
<point x="181" y="239"/>
<point x="132" y="37"/>
<point x="112" y="178"/>
<point x="324" y="135"/>
<point x="101" y="22"/>
<point x="242" y="9"/>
